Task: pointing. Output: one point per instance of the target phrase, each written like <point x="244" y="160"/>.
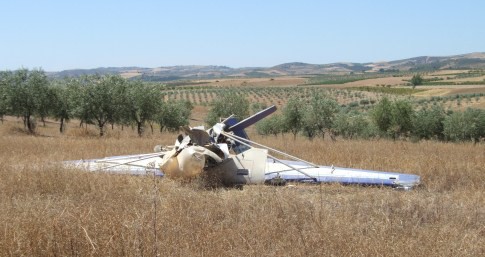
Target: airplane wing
<point x="139" y="164"/>
<point x="290" y="171"/>
<point x="303" y="171"/>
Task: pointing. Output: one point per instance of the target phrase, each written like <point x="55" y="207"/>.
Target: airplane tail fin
<point x="237" y="127"/>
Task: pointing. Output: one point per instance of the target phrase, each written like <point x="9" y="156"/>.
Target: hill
<point x="190" y="72"/>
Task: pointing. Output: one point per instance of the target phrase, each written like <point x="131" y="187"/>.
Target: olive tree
<point x="428" y="122"/>
<point x="393" y="118"/>
<point x="3" y="95"/>
<point x="467" y="125"/>
<point x="25" y="96"/>
<point x="382" y="113"/>
<point x="98" y="99"/>
<point x="46" y="102"/>
<point x="174" y="114"/>
<point x="142" y="103"/>
<point x="293" y="115"/>
<point x="318" y="115"/>
<point x="416" y="80"/>
<point x="63" y="106"/>
<point x="402" y="115"/>
<point x="272" y="125"/>
<point x="227" y="105"/>
<point x="353" y="125"/>
<point x="79" y="90"/>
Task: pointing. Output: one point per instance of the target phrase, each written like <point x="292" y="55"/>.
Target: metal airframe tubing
<point x="239" y="139"/>
<point x="125" y="163"/>
<point x="269" y="148"/>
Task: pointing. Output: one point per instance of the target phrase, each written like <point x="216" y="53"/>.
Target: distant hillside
<point x="464" y="61"/>
<point x="170" y="73"/>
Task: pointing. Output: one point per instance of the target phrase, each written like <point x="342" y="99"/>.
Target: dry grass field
<point x="47" y="210"/>
<point x="450" y="90"/>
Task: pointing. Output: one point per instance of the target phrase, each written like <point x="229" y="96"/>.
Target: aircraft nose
<point x="191" y="161"/>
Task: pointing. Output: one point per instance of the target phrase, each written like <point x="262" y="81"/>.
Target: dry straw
<point x="49" y="211"/>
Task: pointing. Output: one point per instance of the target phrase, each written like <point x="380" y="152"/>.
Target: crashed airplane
<point x="224" y="153"/>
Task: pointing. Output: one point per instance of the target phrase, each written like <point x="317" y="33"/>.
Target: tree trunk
<point x="150" y="122"/>
<point x="30" y="125"/>
<point x="140" y="128"/>
<point x="61" y="128"/>
<point x="101" y="129"/>
<point x="24" y="119"/>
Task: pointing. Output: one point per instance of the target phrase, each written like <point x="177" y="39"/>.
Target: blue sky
<point x="58" y="35"/>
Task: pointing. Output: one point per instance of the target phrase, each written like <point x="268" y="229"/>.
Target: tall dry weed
<point x="47" y="210"/>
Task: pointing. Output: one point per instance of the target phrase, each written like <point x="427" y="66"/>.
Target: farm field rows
<point x="361" y="97"/>
<point x="358" y="92"/>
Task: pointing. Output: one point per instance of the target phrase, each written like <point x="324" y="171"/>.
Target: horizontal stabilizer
<point x="252" y="119"/>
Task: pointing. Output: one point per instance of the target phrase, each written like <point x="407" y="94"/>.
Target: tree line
<point x="393" y="119"/>
<point x="98" y="100"/>
<point x="108" y="100"/>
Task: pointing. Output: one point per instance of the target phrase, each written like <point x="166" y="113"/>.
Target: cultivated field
<point x="47" y="210"/>
<point x="457" y="89"/>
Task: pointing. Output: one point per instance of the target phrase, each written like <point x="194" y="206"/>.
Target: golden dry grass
<point x="446" y="72"/>
<point x="468" y="90"/>
<point x="47" y="210"/>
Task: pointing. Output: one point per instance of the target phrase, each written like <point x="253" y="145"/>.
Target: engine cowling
<point x="187" y="164"/>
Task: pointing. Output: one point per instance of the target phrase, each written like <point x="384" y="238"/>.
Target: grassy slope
<point x="50" y="211"/>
